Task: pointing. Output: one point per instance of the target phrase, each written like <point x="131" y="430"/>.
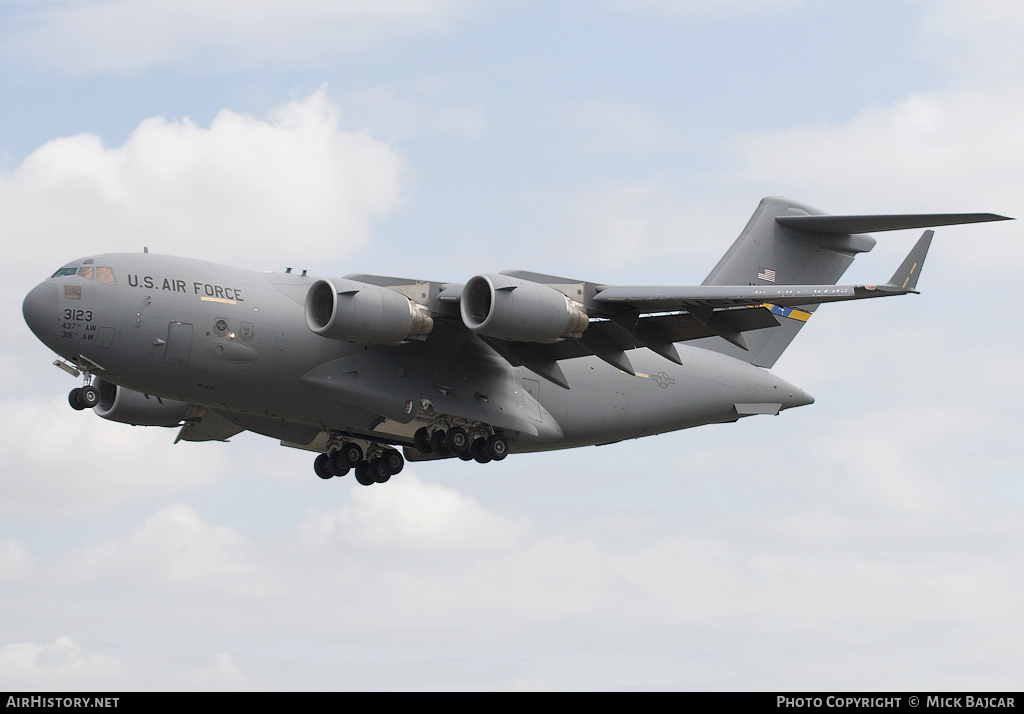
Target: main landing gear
<point x="458" y="442"/>
<point x="381" y="462"/>
<point x="378" y="466"/>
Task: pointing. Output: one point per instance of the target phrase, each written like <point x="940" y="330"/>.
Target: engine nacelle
<point x="521" y="310"/>
<point x="365" y="314"/>
<point x="130" y="407"/>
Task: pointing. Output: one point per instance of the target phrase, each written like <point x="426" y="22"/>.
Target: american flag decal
<point x="766" y="274"/>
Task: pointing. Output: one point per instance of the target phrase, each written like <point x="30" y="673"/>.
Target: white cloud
<point x="56" y="665"/>
<point x="957" y="150"/>
<point x="953" y="149"/>
<point x="410" y="514"/>
<point x="941" y="149"/>
<point x="131" y="35"/>
<point x="977" y="43"/>
<point x="425" y="568"/>
<point x="92" y="463"/>
<point x="223" y="674"/>
<point x="16" y="562"/>
<point x="295" y="184"/>
<point x="67" y="665"/>
<point x="174" y="544"/>
<point x="659" y="226"/>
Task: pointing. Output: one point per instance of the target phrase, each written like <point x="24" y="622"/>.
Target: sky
<point x="871" y="541"/>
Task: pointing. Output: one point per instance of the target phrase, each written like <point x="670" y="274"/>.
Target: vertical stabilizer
<point x="768" y="253"/>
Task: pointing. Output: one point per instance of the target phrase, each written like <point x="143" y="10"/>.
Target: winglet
<point x="905" y="277"/>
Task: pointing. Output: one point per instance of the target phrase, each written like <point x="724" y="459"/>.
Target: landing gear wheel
<point x="75" y="399"/>
<point x="457" y="440"/>
<point x="336" y="464"/>
<point x="379" y="470"/>
<point x="350" y="454"/>
<point x="497" y="447"/>
<point x="363" y="474"/>
<point x="89" y="396"/>
<point x="437" y="444"/>
<point x="320" y="465"/>
<point x="393" y="461"/>
<point x="421" y="440"/>
<point x="479" y="450"/>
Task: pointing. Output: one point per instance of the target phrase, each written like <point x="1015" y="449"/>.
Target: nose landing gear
<point x="84" y="397"/>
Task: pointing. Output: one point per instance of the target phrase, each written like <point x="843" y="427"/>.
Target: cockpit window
<point x="88" y="272"/>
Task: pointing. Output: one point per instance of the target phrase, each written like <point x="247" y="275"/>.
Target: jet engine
<point x="130" y="407"/>
<point x="521" y="310"/>
<point x="365" y="314"/>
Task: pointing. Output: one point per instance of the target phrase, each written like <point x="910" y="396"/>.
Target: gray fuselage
<point x="236" y="341"/>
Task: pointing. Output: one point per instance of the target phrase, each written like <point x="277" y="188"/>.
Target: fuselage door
<point x="179" y="343"/>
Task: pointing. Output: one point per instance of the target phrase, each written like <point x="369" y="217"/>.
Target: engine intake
<point x="520" y="310"/>
<point x="131" y="407"/>
<point x="365" y="314"/>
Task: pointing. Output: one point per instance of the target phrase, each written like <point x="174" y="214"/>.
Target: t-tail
<point x="789" y="243"/>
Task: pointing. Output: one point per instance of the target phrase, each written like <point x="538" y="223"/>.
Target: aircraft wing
<point x="658" y="299"/>
<point x="663" y="299"/>
<point x="624" y="317"/>
<point x="609" y="339"/>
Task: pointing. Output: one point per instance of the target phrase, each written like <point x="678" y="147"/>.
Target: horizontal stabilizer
<point x="873" y="224"/>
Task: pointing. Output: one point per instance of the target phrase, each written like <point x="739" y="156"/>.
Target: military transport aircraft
<point x="352" y="367"/>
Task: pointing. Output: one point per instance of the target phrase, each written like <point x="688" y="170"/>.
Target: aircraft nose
<point x="40" y="309"/>
<point x="794" y="396"/>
